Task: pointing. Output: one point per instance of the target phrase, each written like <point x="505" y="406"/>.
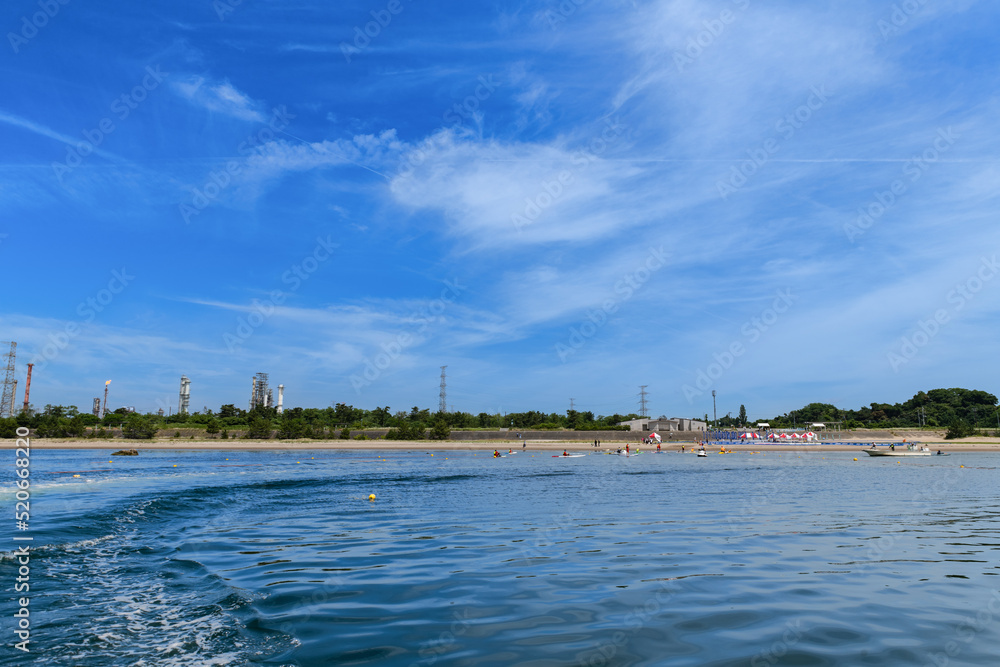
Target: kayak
<point x="567" y="456"/>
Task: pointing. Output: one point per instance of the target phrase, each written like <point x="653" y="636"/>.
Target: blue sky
<point x="785" y="202"/>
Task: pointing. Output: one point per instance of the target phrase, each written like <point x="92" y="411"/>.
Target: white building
<point x="664" y="425"/>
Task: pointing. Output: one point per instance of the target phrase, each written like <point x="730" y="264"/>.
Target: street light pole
<point x="715" y="417"/>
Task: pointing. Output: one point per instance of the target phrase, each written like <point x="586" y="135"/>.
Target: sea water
<point x="280" y="558"/>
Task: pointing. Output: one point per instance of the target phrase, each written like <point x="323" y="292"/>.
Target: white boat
<point x="911" y="450"/>
<point x="702" y="452"/>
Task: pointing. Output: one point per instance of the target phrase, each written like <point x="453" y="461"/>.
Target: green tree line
<point x="941" y="408"/>
<point x="339" y="420"/>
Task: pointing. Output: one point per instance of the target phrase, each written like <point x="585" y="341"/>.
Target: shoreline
<point x="966" y="445"/>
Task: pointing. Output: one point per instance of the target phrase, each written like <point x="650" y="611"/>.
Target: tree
<point x="743" y="415"/>
<point x="229" y="410"/>
<point x="258" y="428"/>
<point x="959" y="428"/>
<point x="138" y="427"/>
<point x="290" y="427"/>
<point x="381" y="415"/>
<point x="406" y="431"/>
<point x="440" y="430"/>
<point x="212" y="426"/>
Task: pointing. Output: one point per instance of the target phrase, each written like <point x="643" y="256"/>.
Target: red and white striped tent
<point x="656" y="437"/>
<point x="750" y="435"/>
<point x="796" y="436"/>
<point x="810" y="436"/>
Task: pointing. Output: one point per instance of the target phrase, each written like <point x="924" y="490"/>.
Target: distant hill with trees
<point x="936" y="408"/>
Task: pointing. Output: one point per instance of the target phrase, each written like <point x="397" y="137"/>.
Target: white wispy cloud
<point x="219" y="97"/>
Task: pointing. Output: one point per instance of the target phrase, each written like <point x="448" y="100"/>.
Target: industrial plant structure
<point x="27" y="389"/>
<point x="9" y="382"/>
<point x="260" y="393"/>
<point x="184" y="401"/>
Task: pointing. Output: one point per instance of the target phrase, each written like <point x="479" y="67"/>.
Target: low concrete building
<point x="663" y="425"/>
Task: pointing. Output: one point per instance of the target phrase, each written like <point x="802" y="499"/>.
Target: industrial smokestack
<point x="27" y="387"/>
<point x="184" y="400"/>
<point x="281" y="397"/>
<point x="104" y="410"/>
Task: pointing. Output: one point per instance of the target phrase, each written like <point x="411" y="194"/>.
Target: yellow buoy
<point x="855" y="458"/>
<point x="371" y="496"/>
<point x="175" y="465"/>
<point x="75" y="475"/>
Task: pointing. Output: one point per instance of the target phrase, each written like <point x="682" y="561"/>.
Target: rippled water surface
<point x="279" y="558"/>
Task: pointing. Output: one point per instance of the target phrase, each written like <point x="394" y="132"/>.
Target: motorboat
<point x="910" y="450"/>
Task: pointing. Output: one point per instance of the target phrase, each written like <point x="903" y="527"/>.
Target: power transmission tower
<point x="9" y="384"/>
<point x="571" y="406"/>
<point x="443" y="403"/>
<point x="642" y="400"/>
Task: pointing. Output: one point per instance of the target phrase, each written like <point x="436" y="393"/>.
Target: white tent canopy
<point x="655" y="436"/>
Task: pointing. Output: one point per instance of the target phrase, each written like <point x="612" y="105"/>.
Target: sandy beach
<point x="976" y="444"/>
